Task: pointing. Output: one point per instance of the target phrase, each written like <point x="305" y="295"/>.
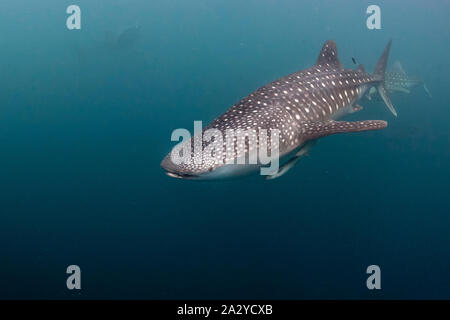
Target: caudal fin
<point x="380" y="70"/>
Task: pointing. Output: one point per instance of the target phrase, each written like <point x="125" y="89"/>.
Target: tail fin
<point x="380" y="69"/>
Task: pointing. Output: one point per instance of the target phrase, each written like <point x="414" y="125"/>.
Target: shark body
<point x="396" y="80"/>
<point x="303" y="106"/>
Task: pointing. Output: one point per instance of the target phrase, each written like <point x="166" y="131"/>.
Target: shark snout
<point x="177" y="171"/>
<point x="190" y="171"/>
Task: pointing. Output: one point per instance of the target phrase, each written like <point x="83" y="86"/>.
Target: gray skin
<point x="396" y="80"/>
<point x="303" y="106"/>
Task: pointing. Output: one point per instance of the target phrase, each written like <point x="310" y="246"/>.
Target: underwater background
<point x="86" y="118"/>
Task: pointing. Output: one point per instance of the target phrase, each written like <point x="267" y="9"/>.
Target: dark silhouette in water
<point x="128" y="36"/>
<point x="123" y="39"/>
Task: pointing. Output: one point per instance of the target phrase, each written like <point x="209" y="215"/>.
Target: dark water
<point x="84" y="124"/>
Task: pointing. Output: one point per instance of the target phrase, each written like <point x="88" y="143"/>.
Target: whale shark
<point x="396" y="80"/>
<point x="303" y="107"/>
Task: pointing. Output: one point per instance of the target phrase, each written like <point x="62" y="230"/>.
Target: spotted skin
<point x="396" y="80"/>
<point x="303" y="106"/>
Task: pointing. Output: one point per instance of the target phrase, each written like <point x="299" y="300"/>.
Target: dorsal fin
<point x="361" y="69"/>
<point x="329" y="56"/>
<point x="397" y="66"/>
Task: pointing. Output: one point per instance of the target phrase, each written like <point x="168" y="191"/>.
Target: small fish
<point x="354" y="61"/>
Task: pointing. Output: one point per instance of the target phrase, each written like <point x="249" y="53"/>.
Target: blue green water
<point x="84" y="124"/>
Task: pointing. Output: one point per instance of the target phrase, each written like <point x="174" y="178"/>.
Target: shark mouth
<point x="172" y="170"/>
<point x="178" y="175"/>
<point x="174" y="175"/>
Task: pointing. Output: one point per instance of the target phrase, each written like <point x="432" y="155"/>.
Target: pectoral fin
<point x="318" y="129"/>
<point x="303" y="151"/>
<point x="284" y="168"/>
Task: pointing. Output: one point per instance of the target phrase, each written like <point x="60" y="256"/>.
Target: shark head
<point x="184" y="170"/>
<point x="180" y="171"/>
<point x="205" y="172"/>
